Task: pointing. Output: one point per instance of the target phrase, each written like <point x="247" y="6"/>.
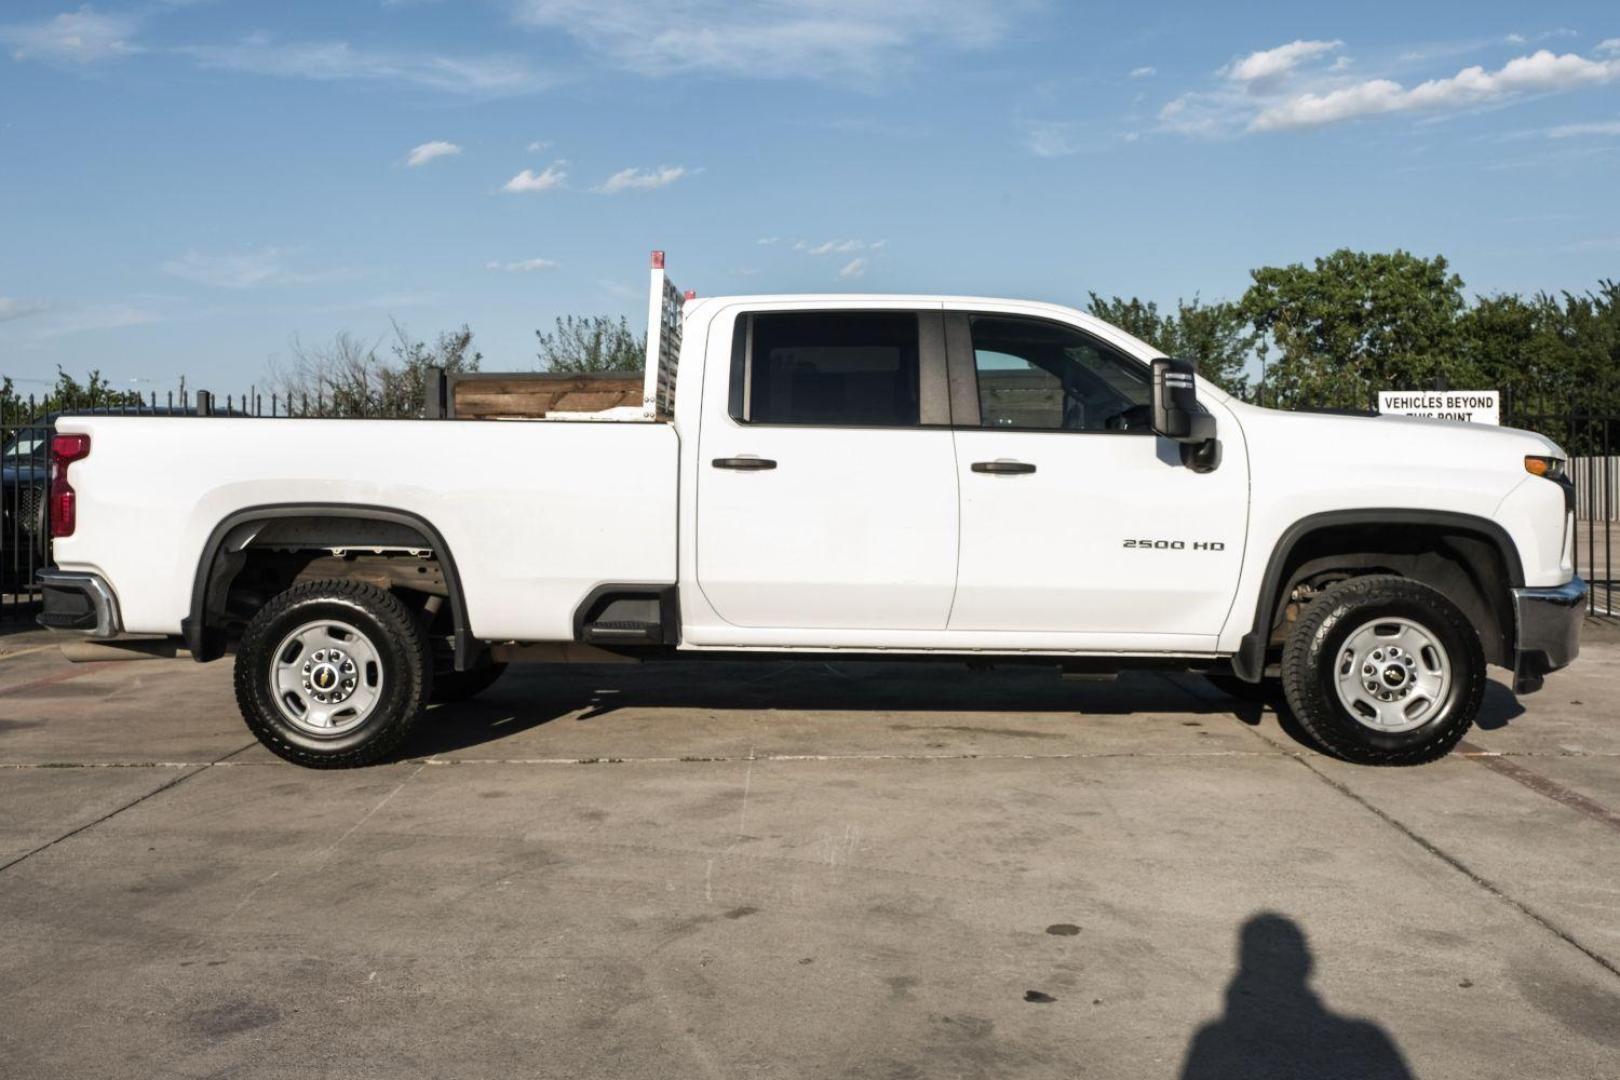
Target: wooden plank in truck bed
<point x="532" y="395"/>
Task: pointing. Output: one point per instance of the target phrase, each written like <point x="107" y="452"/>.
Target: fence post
<point x="433" y="394"/>
<point x="205" y="403"/>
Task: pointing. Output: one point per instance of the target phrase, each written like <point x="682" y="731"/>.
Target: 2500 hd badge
<point x="1175" y="545"/>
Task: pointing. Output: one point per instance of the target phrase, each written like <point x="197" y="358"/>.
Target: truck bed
<point x="535" y="514"/>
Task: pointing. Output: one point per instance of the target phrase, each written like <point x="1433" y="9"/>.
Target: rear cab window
<point x="839" y="369"/>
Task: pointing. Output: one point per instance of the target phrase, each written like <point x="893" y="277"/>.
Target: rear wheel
<point x="332" y="674"/>
<point x="1384" y="670"/>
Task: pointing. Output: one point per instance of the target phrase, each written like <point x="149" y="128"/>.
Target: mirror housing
<point x="1176" y="414"/>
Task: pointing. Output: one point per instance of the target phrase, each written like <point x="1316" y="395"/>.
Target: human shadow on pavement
<point x="529" y="696"/>
<point x="1275" y="1027"/>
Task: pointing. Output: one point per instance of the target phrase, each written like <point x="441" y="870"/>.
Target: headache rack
<point x="664" y="304"/>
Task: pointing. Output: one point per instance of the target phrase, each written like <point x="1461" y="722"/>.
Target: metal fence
<point x="26" y="426"/>
<point x="1597" y="487"/>
<point x="1591" y="434"/>
<point x="1587" y="427"/>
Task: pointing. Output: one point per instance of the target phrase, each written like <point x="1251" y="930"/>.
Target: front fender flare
<point x="1250" y="660"/>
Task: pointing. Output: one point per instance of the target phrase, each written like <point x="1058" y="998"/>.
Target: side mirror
<point x="1176" y="414"/>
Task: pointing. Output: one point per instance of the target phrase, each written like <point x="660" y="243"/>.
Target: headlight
<point x="1550" y="467"/>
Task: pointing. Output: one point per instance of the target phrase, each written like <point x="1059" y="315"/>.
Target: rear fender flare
<point x="205" y="638"/>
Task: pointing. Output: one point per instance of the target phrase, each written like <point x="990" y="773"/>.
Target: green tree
<point x="348" y="377"/>
<point x="1217" y="336"/>
<point x="69" y="394"/>
<point x="1357" y="322"/>
<point x="593" y="343"/>
<point x="404" y="384"/>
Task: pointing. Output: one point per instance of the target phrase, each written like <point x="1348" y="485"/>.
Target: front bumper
<point x="1547" y="631"/>
<point x="80" y="602"/>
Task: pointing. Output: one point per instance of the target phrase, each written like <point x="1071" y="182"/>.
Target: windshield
<point x="27" y="444"/>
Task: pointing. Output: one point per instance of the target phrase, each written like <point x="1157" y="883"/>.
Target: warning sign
<point x="1469" y="406"/>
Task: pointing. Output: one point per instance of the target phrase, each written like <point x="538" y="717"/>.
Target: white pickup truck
<point x="863" y="476"/>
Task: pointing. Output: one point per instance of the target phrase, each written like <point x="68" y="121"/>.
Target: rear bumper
<point x="1547" y="625"/>
<point x="78" y="602"/>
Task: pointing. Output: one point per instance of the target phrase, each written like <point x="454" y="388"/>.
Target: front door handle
<point x="1003" y="468"/>
<point x="747" y="464"/>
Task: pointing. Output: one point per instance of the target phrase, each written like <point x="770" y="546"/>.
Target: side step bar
<point x="620" y="615"/>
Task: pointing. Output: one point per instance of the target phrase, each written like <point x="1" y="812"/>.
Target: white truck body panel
<point x="864" y="539"/>
<point x="535" y="514"/>
<point x="856" y="530"/>
<point x="1308" y="463"/>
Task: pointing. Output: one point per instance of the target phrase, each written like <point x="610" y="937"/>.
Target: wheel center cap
<point x="1394" y="675"/>
<point x="330" y="676"/>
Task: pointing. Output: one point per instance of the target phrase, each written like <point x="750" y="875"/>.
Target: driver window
<point x="1036" y="375"/>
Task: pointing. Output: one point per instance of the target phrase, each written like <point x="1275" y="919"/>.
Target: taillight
<point x="65" y="450"/>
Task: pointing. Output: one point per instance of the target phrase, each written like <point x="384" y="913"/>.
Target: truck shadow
<point x="1499" y="708"/>
<point x="530" y="696"/>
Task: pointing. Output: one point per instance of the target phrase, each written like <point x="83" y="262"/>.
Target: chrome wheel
<point x="1393" y="675"/>
<point x="326" y="677"/>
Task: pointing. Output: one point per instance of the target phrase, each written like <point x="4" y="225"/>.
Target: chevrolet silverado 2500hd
<point x="851" y="475"/>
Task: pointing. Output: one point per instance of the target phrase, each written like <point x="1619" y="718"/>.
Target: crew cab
<point x="995" y="480"/>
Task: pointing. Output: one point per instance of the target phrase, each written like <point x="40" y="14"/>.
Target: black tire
<point x="451" y="686"/>
<point x="405" y="681"/>
<point x="1312" y="653"/>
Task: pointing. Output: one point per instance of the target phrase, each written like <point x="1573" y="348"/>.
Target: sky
<point x="193" y="187"/>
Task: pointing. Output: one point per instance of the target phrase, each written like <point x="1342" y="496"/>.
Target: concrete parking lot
<point x="815" y="870"/>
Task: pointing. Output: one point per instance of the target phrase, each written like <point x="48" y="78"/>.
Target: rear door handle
<point x="1003" y="468"/>
<point x="747" y="464"/>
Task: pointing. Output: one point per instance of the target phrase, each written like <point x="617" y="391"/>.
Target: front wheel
<point x="333" y="674"/>
<point x="1384" y="670"/>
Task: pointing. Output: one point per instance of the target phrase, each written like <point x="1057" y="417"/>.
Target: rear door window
<point x="837" y="368"/>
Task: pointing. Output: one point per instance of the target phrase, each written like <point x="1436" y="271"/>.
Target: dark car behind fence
<point x="26" y="427"/>
<point x="1588" y="430"/>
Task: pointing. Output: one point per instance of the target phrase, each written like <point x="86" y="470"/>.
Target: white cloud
<point x="1601" y="127"/>
<point x="1270" y="65"/>
<point x="246" y="270"/>
<point x="12" y="309"/>
<point x="1541" y="72"/>
<point x="824" y="40"/>
<point x="521" y="266"/>
<point x="1144" y="72"/>
<point x="80" y="318"/>
<point x="1609" y="46"/>
<point x="335" y="61"/>
<point x="1515" y="39"/>
<point x="767" y="241"/>
<point x="73" y="37"/>
<point x="853" y="269"/>
<point x="1050" y="139"/>
<point x="537" y="146"/>
<point x="837" y="247"/>
<point x="1202" y="115"/>
<point x="528" y="180"/>
<point x="425" y="153"/>
<point x="639" y="180"/>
